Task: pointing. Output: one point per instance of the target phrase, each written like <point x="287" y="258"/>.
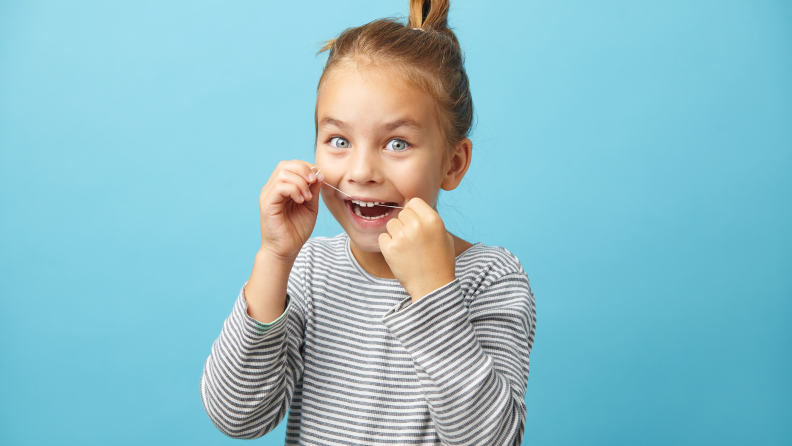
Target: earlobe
<point x="458" y="164"/>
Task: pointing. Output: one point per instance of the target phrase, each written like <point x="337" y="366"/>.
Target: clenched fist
<point x="419" y="250"/>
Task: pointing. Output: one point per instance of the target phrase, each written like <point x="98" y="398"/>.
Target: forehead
<point x="365" y="97"/>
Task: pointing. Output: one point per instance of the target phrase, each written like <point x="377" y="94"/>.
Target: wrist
<point x="265" y="291"/>
<point x="269" y="257"/>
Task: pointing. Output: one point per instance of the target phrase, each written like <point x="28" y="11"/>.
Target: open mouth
<point x="371" y="210"/>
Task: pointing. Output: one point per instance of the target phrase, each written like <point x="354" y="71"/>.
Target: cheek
<point x="418" y="182"/>
<point x="332" y="198"/>
<point x="335" y="205"/>
<point x="319" y="156"/>
<point x="331" y="168"/>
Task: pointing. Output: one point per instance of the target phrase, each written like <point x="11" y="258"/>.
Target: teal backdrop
<point x="635" y="156"/>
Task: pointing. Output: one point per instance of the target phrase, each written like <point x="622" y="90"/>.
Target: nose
<point x="363" y="167"/>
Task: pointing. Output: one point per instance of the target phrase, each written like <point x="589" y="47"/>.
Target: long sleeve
<point x="249" y="378"/>
<point x="471" y="357"/>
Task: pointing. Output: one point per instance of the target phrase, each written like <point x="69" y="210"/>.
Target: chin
<point x="367" y="242"/>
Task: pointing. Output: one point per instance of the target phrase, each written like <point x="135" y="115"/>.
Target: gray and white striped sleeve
<point x="249" y="378"/>
<point x="472" y="362"/>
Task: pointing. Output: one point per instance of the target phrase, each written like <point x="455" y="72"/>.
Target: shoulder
<point x="482" y="265"/>
<point x="494" y="284"/>
<point x="490" y="259"/>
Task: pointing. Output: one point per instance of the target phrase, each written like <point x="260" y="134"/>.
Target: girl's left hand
<point x="419" y="250"/>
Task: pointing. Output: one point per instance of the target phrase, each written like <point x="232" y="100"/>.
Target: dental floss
<point x="350" y="196"/>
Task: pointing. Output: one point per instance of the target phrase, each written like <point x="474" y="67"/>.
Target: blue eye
<point x="339" y="143"/>
<point x="397" y="145"/>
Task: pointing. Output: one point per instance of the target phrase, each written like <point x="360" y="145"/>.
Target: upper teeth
<point x="367" y="203"/>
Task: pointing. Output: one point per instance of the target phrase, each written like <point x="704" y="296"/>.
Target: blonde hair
<point x="424" y="52"/>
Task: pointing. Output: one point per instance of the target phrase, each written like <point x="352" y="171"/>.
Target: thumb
<point x="383" y="241"/>
<point x="315" y="189"/>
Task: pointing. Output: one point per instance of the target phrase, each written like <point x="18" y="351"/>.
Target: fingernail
<point x="310" y="196"/>
<point x="320" y="175"/>
<point x="311" y="177"/>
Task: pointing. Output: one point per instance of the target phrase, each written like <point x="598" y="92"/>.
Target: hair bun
<point x="429" y="14"/>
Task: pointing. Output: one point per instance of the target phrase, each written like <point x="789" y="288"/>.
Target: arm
<point x="472" y="362"/>
<point x="248" y="381"/>
<point x="249" y="378"/>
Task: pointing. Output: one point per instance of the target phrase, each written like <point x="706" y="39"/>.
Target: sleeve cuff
<point x="407" y="307"/>
<point x="260" y="327"/>
<point x="437" y="333"/>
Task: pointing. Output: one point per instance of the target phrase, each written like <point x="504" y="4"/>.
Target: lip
<point x="364" y="224"/>
<point x="369" y="199"/>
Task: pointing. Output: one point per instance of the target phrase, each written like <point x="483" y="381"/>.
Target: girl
<point x="396" y="331"/>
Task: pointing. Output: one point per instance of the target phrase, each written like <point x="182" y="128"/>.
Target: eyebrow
<point x="406" y="123"/>
<point x="334" y="122"/>
<point x="402" y="123"/>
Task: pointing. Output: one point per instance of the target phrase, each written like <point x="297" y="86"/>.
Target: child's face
<point x="379" y="141"/>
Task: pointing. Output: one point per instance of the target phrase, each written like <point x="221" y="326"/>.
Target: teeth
<point x="367" y="203"/>
<point x="360" y="204"/>
<point x="374" y="218"/>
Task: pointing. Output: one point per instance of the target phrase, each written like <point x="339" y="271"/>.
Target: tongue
<point x="373" y="211"/>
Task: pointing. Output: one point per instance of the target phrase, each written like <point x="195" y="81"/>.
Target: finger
<point x="287" y="176"/>
<point x="407" y="217"/>
<point x="299" y="167"/>
<point x="425" y="214"/>
<point x="286" y="191"/>
<point x="394" y="227"/>
<point x="384" y="240"/>
<point x="319" y="174"/>
<point x="315" y="189"/>
<point x="420" y="207"/>
<point x="315" y="173"/>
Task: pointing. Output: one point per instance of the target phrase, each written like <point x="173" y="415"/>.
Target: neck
<point x="374" y="262"/>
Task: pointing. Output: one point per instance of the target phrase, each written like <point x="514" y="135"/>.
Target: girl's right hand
<point x="289" y="204"/>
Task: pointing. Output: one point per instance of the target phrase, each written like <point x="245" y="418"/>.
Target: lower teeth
<point x="357" y="212"/>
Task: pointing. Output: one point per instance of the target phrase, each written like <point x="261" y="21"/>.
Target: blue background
<point x="636" y="156"/>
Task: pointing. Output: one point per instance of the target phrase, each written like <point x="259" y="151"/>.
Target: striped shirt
<point x="353" y="361"/>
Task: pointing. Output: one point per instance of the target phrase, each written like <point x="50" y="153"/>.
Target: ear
<point x="457" y="164"/>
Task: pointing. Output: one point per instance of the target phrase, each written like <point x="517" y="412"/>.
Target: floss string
<point x="350" y="196"/>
